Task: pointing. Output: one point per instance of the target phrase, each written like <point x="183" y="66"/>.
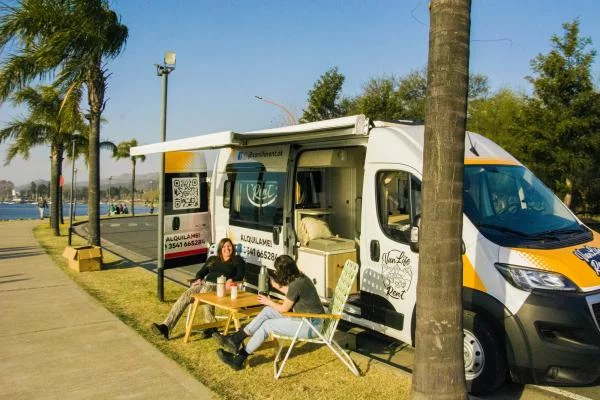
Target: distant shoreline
<point x="30" y="211"/>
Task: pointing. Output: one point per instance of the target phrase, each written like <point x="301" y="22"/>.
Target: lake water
<point x="30" y="210"/>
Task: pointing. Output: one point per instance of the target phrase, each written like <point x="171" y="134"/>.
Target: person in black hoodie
<point x="225" y="263"/>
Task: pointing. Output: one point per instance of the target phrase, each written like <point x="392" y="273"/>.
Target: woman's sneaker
<point x="228" y="342"/>
<point x="235" y="361"/>
<point x="207" y="333"/>
<point x="161" y="329"/>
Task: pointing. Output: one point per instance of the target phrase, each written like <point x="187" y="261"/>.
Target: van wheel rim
<point x="474" y="356"/>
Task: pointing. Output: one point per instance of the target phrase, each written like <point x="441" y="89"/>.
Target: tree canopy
<point x="69" y="40"/>
<point x="563" y="116"/>
<point x="325" y="98"/>
<point x="123" y="150"/>
<point x="384" y="98"/>
<point x="51" y="120"/>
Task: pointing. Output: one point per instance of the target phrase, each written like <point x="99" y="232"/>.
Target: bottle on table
<point x="221" y="286"/>
<point x="263" y="281"/>
<point x="234" y="291"/>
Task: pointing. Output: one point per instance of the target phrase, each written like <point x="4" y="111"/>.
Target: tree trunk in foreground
<point x="439" y="365"/>
<point x="95" y="86"/>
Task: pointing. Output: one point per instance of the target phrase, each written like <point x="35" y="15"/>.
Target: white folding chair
<point x="330" y="323"/>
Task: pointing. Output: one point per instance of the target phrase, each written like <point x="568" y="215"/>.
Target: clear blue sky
<point x="231" y="50"/>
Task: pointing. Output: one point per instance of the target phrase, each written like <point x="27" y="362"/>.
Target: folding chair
<point x="330" y="323"/>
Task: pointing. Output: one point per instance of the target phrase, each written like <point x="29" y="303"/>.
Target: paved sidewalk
<point x="58" y="342"/>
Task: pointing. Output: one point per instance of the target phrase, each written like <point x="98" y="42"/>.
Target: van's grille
<point x="596" y="309"/>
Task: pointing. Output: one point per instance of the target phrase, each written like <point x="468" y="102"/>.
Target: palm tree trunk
<point x="133" y="187"/>
<point x="94" y="182"/>
<point x="61" y="208"/>
<point x="95" y="87"/>
<point x="439" y="363"/>
<point x="55" y="167"/>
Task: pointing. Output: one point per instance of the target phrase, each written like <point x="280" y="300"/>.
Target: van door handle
<point x="276" y="230"/>
<point x="374" y="250"/>
<point x="176" y="223"/>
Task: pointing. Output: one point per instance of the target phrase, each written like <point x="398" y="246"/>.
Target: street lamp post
<point x="290" y="116"/>
<point x="109" y="192"/>
<point x="163" y="70"/>
<point x="75" y="191"/>
<point x="72" y="195"/>
<point x="151" y="197"/>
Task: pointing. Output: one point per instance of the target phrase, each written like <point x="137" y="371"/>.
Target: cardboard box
<point x="84" y="258"/>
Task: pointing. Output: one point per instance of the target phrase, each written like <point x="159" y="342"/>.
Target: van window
<point x="256" y="199"/>
<point x="398" y="203"/>
<point x="513" y="208"/>
<point x="308" y="187"/>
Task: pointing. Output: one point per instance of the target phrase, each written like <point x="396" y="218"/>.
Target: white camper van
<point x="351" y="188"/>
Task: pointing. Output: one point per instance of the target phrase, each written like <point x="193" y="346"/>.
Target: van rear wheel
<point x="485" y="362"/>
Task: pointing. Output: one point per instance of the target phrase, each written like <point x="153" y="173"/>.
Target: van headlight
<point x="529" y="279"/>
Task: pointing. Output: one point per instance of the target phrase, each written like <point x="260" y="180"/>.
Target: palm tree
<point x="73" y="39"/>
<point x="52" y="120"/>
<point x="439" y="365"/>
<point x="122" y="151"/>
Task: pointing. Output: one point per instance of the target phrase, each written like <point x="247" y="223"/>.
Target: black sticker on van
<point x="396" y="273"/>
<point x="590" y="255"/>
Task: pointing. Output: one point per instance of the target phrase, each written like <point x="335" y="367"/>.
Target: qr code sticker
<point x="186" y="193"/>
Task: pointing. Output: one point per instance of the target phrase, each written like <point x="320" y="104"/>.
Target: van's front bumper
<point x="555" y="339"/>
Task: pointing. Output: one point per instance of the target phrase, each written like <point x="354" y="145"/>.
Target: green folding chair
<point x="330" y="323"/>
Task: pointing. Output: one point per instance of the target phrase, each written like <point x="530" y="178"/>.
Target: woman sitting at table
<point x="225" y="263"/>
<point x="300" y="295"/>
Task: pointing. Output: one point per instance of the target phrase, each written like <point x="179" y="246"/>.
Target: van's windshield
<point x="511" y="207"/>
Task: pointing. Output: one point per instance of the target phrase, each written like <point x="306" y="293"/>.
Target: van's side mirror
<point x="276" y="231"/>
<point x="414" y="239"/>
<point x="227" y="194"/>
<point x="414" y="234"/>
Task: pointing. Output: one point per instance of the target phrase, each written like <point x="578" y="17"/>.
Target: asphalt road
<point x="135" y="234"/>
<point x="135" y="238"/>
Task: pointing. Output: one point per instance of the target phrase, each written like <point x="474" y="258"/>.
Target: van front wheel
<point x="485" y="363"/>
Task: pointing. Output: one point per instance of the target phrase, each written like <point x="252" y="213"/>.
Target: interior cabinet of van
<point x="325" y="267"/>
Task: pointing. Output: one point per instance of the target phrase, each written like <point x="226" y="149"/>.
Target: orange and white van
<point x="351" y="188"/>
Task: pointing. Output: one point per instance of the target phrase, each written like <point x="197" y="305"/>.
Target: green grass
<point x="128" y="291"/>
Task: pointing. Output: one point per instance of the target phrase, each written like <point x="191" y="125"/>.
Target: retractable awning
<point x="330" y="129"/>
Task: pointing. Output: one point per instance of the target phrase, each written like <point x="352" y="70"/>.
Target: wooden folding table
<point x="246" y="305"/>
